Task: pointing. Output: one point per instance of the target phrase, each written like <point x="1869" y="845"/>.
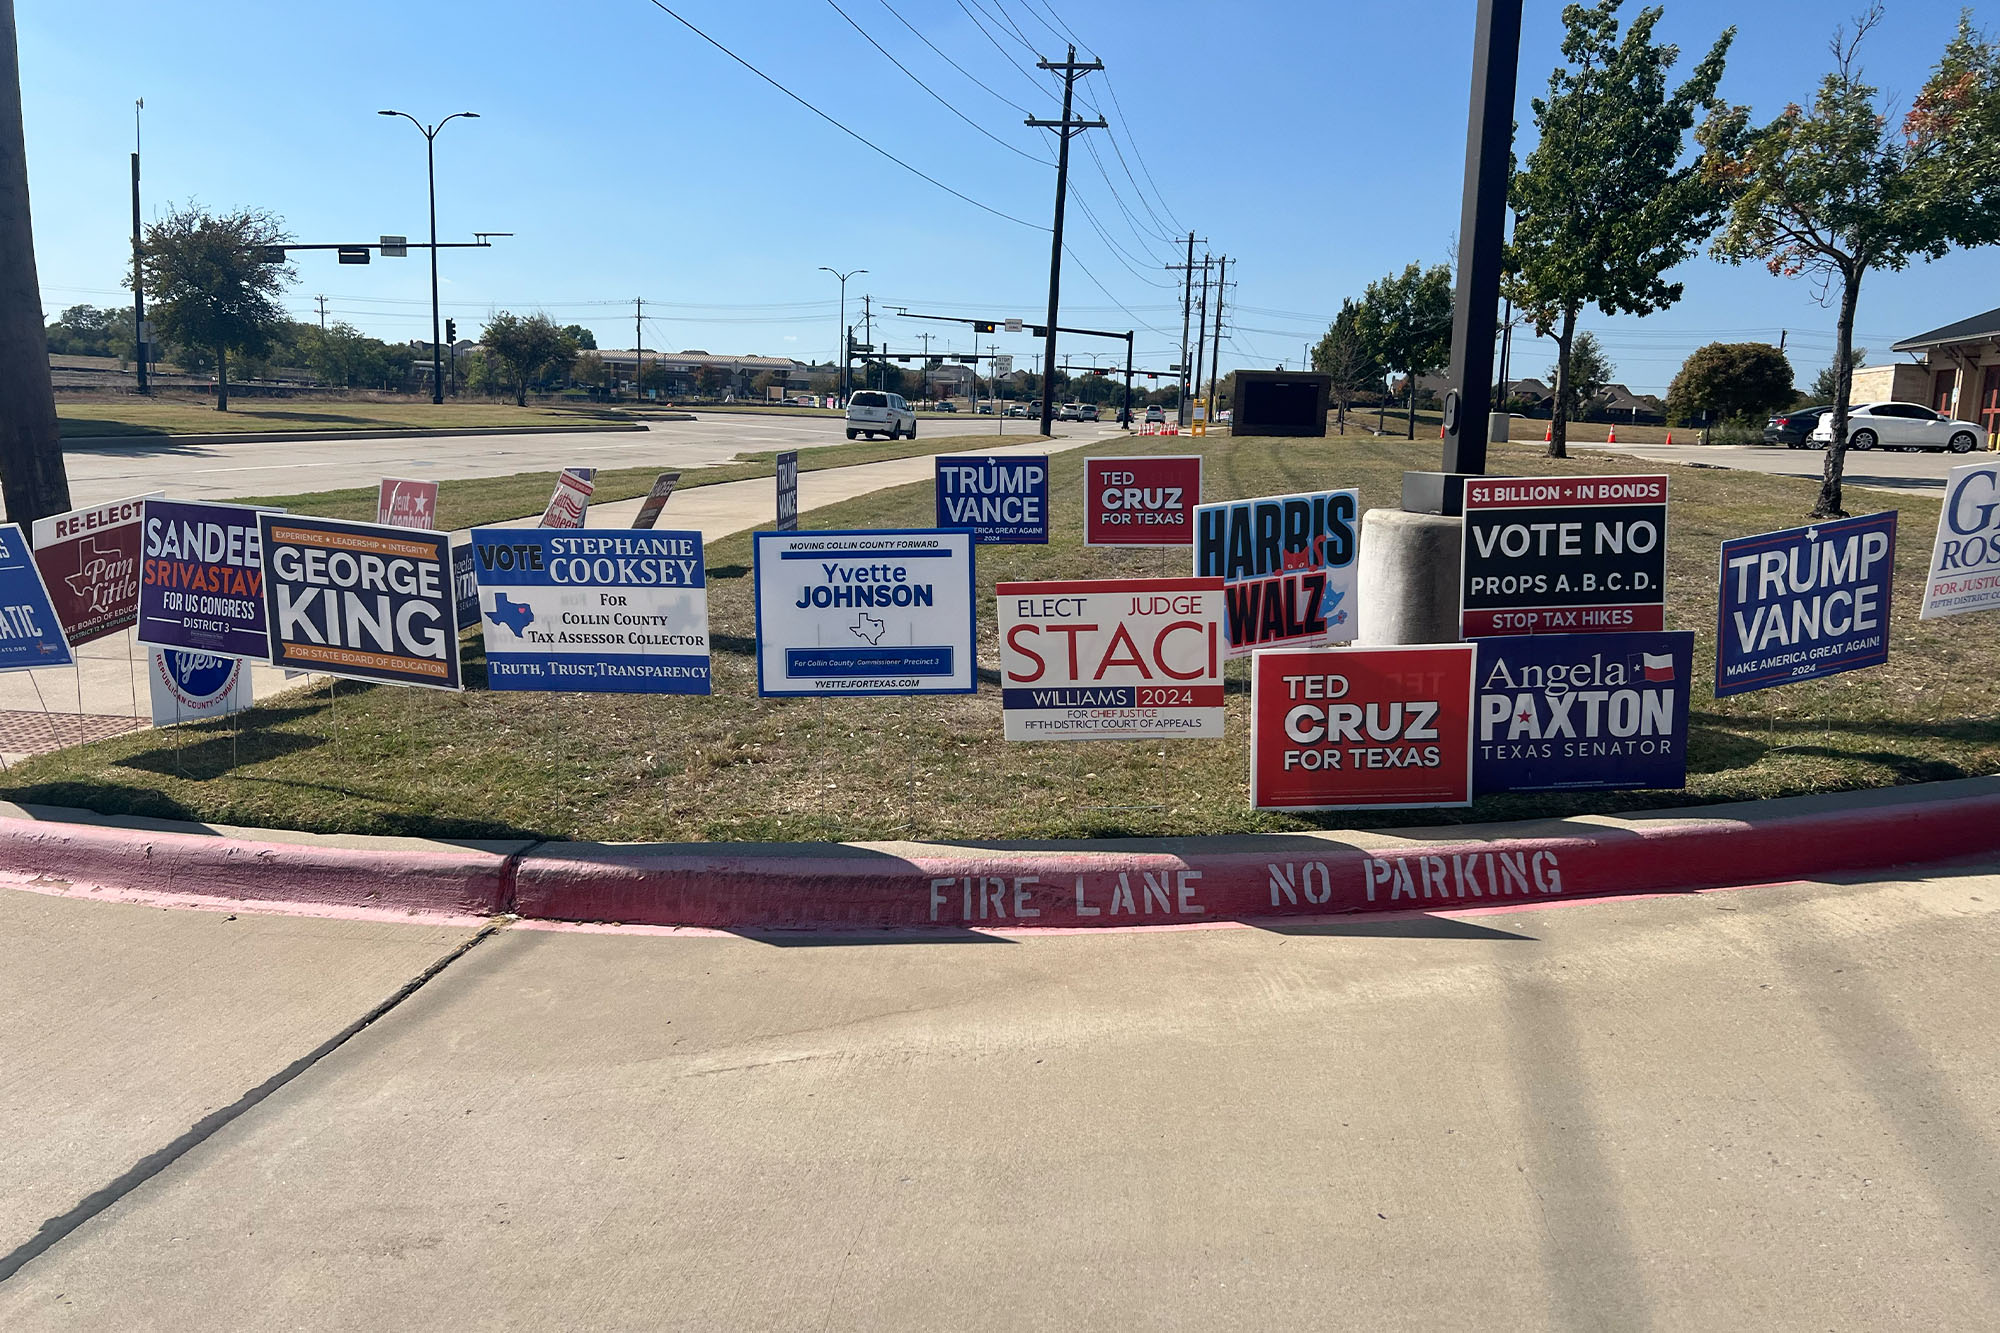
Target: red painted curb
<point x="1280" y="875"/>
<point x="458" y="880"/>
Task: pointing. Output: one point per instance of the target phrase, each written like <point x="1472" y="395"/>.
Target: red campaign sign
<point x="1140" y="501"/>
<point x="89" y="558"/>
<point x="402" y="503"/>
<point x="1353" y="728"/>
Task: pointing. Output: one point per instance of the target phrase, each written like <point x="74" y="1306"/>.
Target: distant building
<point x="682" y="368"/>
<point x="1958" y="373"/>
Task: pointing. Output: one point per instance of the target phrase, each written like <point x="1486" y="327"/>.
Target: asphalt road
<point x="1924" y="473"/>
<point x="1774" y="1108"/>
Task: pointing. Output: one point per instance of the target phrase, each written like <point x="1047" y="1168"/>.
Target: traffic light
<point x="451" y="331"/>
<point x="985" y="326"/>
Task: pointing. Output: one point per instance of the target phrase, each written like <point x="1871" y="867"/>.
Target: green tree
<point x="1730" y="380"/>
<point x="1405" y="324"/>
<point x="527" y="347"/>
<point x="1826" y="384"/>
<point x="1833" y="190"/>
<point x="585" y="340"/>
<point x="1589" y="371"/>
<point x="1604" y="205"/>
<point x="210" y="286"/>
<point x="589" y="368"/>
<point x="85" y="330"/>
<point x="709" y="381"/>
<point x="1342" y="355"/>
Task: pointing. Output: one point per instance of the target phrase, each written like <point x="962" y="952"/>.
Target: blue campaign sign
<point x="201" y="579"/>
<point x="1001" y="498"/>
<point x="1559" y="712"/>
<point x="30" y="634"/>
<point x="788" y="490"/>
<point x="875" y="612"/>
<point x="465" y="585"/>
<point x="602" y="611"/>
<point x="1805" y="603"/>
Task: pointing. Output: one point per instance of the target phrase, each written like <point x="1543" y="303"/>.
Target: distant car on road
<point x="1901" y="426"/>
<point x="1086" y="412"/>
<point x="1156" y="415"/>
<point x="1794" y="429"/>
<point x="946" y="405"/>
<point x="1016" y="410"/>
<point x="872" y="412"/>
<point x="986" y="409"/>
<point x="1068" y="412"/>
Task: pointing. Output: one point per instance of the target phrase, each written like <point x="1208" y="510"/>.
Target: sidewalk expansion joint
<point x="57" y="1229"/>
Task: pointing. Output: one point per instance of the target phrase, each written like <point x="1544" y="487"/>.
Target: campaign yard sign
<point x="571" y="501"/>
<point x="360" y="600"/>
<point x="1140" y="501"/>
<point x="1565" y="712"/>
<point x="89" y="560"/>
<point x="1357" y="728"/>
<point x="788" y="491"/>
<point x="1805" y="603"/>
<point x="201" y="579"/>
<point x="465" y="585"/>
<point x="656" y="499"/>
<point x="1003" y="499"/>
<point x="1564" y="555"/>
<point x="605" y="612"/>
<point x="402" y="503"/>
<point x="30" y="631"/>
<point x="1965" y="563"/>
<point x="1286" y="564"/>
<point x="1111" y="659"/>
<point x="886" y="611"/>
<point x="192" y="687"/>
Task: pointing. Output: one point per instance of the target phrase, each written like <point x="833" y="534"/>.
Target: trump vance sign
<point x="1804" y="603"/>
<point x="1001" y="499"/>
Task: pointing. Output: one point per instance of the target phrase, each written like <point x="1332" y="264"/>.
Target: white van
<point x="871" y="412"/>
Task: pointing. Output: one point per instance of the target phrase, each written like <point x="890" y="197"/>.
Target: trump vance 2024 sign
<point x="360" y="600"/>
<point x="1805" y="603"/>
<point x="1564" y="555"/>
<point x="1003" y="499"/>
<point x="1286" y="564"/>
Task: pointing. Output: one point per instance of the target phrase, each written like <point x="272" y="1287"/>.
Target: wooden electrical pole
<point x="1065" y="128"/>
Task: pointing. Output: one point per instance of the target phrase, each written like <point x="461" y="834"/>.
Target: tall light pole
<point x="844" y="357"/>
<point x="430" y="133"/>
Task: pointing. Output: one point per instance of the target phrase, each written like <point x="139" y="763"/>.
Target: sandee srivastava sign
<point x="1286" y="564"/>
<point x="360" y="600"/>
<point x="201" y="579"/>
<point x="1805" y="603"/>
<point x="874" y="612"/>
<point x="601" y="611"/>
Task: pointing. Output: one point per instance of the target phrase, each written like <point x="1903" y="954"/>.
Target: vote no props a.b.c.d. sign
<point x="1564" y="555"/>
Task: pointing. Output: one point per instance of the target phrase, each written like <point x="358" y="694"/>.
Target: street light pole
<point x="430" y="133"/>
<point x="846" y="357"/>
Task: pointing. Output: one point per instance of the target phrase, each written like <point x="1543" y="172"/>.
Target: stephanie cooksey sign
<point x="1140" y="501"/>
<point x="402" y="503"/>
<point x="602" y="611"/>
<point x="1347" y="728"/>
<point x="1564" y="555"/>
<point x="89" y="559"/>
<point x="360" y="600"/>
<point x="30" y="633"/>
<point x="201" y="579"/>
<point x="1570" y="711"/>
<point x="1111" y="659"/>
<point x="1002" y="499"/>
<point x="1287" y="567"/>
<point x="1805" y="603"/>
<point x="879" y="612"/>
<point x="1965" y="564"/>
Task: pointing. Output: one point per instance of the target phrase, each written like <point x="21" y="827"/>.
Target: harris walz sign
<point x="1564" y="555"/>
<point x="1805" y="603"/>
<point x="1286" y="564"/>
<point x="1566" y="712"/>
<point x="360" y="600"/>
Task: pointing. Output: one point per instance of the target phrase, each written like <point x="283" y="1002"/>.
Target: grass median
<point x="733" y="766"/>
<point x="135" y="416"/>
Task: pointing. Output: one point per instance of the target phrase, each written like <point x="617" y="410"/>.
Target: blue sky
<point x="1318" y="143"/>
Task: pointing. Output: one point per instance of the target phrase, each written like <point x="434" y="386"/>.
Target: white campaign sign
<point x="879" y="612"/>
<point x="1965" y="563"/>
<point x="193" y="686"/>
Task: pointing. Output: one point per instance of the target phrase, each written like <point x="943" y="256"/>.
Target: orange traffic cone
<point x="1611" y="436"/>
<point x="1549" y="433"/>
<point x="1670" y="437"/>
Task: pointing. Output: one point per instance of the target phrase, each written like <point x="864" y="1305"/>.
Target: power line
<point x="1041" y="161"/>
<point x="1126" y="121"/>
<point x="953" y="63"/>
<point x="1005" y="54"/>
<point x="1006" y="21"/>
<point x="858" y="138"/>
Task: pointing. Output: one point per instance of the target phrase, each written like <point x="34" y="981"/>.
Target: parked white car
<point x="1901" y="426"/>
<point x="872" y="412"/>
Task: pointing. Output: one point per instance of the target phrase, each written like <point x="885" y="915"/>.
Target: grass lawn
<point x="1362" y="421"/>
<point x="473" y="501"/>
<point x="132" y="415"/>
<point x="733" y="766"/>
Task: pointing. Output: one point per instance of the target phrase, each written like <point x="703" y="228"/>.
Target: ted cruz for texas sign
<point x="1140" y="501"/>
<point x="360" y="600"/>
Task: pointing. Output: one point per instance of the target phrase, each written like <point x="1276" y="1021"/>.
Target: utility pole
<point x="846" y="348"/>
<point x="322" y="312"/>
<point x="1187" y="309"/>
<point x="638" y="347"/>
<point x="1215" y="360"/>
<point x="867" y="338"/>
<point x="1201" y="323"/>
<point x="138" y="256"/>
<point x="927" y="365"/>
<point x="430" y="133"/>
<point x="1064" y="128"/>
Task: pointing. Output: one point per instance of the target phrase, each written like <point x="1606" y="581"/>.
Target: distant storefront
<point x="1958" y="374"/>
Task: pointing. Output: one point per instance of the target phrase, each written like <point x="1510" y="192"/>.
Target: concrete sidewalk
<point x="1770" y="1108"/>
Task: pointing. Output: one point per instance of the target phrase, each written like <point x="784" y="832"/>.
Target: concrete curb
<point x="931" y="885"/>
<point x="321" y="436"/>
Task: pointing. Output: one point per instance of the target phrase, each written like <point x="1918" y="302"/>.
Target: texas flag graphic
<point x="1659" y="666"/>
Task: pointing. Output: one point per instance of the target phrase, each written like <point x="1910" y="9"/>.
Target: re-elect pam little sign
<point x="1564" y="555"/>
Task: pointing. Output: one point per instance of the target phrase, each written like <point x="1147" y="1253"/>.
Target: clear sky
<point x="1318" y="143"/>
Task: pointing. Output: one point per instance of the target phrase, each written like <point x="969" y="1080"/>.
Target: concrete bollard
<point x="1407" y="578"/>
